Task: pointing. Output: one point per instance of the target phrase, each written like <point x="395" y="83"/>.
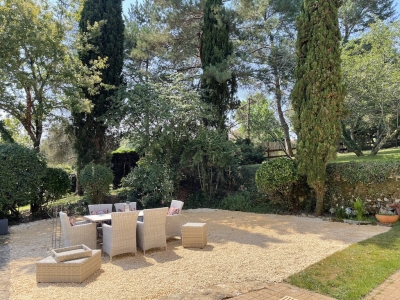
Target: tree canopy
<point x="371" y="69"/>
<point x="90" y="128"/>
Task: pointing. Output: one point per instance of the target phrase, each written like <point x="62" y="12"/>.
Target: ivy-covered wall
<point x="373" y="182"/>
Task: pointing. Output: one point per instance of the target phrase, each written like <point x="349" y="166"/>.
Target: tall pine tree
<point x="218" y="83"/>
<point x="318" y="94"/>
<point x="90" y="129"/>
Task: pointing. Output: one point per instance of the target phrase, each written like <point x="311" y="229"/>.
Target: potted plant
<point x="3" y="226"/>
<point x="385" y="215"/>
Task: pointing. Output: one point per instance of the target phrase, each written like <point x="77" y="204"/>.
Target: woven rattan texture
<point x="121" y="206"/>
<point x="173" y="222"/>
<point x="81" y="233"/>
<point x="194" y="235"/>
<point x="48" y="270"/>
<point x="69" y="253"/>
<point x="99" y="207"/>
<point x="151" y="232"/>
<point x="121" y="236"/>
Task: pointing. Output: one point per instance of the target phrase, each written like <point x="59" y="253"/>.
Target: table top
<point x="104" y="217"/>
<point x="98" y="218"/>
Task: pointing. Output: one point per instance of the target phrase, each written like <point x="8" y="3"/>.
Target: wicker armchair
<point x="120" y="206"/>
<point x="151" y="232"/>
<point x="121" y="236"/>
<point x="81" y="233"/>
<point x="98" y="207"/>
<point x="173" y="222"/>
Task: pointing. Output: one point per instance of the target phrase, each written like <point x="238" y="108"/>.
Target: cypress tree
<point x="318" y="94"/>
<point x="90" y="128"/>
<point x="217" y="82"/>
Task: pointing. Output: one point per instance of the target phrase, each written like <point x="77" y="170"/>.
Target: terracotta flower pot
<point x="387" y="218"/>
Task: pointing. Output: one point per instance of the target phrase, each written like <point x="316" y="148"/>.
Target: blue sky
<point x="127" y="3"/>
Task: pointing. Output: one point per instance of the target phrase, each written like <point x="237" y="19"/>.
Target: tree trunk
<point x="379" y="145"/>
<point x="278" y="102"/>
<point x="248" y="120"/>
<point x="79" y="189"/>
<point x="349" y="142"/>
<point x="319" y="189"/>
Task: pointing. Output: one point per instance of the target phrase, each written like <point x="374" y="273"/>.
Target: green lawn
<point x="65" y="200"/>
<point x="355" y="271"/>
<point x="383" y="155"/>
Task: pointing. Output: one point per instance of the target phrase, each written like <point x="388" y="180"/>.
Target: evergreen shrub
<point x="21" y="173"/>
<point x="276" y="178"/>
<point x="249" y="154"/>
<point x="96" y="181"/>
<point x="151" y="183"/>
<point x="56" y="183"/>
<point x="241" y="201"/>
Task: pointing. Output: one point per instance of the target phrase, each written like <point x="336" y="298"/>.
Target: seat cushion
<point x="173" y="211"/>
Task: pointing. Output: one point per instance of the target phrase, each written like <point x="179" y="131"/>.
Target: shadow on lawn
<point x="388" y="240"/>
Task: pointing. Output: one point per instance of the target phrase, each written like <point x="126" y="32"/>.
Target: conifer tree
<point x="217" y="82"/>
<point x="90" y="129"/>
<point x="318" y="93"/>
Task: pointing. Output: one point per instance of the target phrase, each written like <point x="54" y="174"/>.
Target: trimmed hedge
<point x="372" y="182"/>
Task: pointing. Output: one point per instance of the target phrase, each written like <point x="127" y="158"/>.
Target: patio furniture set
<point x="128" y="229"/>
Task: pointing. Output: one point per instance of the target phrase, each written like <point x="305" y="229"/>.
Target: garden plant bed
<point x="358" y="222"/>
<point x="241" y="247"/>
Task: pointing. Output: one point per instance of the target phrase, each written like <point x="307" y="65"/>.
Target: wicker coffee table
<point x="194" y="235"/>
<point x="76" y="270"/>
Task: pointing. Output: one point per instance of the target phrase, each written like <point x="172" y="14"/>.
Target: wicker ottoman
<point x="77" y="270"/>
<point x="194" y="235"/>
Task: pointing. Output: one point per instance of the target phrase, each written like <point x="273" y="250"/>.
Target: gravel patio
<point x="244" y="251"/>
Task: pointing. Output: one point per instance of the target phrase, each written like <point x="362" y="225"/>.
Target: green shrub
<point x="150" y="183"/>
<point x="362" y="172"/>
<point x="207" y="161"/>
<point x="247" y="153"/>
<point x="245" y="178"/>
<point x="241" y="201"/>
<point x="56" y="183"/>
<point x="276" y="178"/>
<point x="21" y="174"/>
<point x="96" y="180"/>
<point x="340" y="212"/>
<point x="359" y="208"/>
